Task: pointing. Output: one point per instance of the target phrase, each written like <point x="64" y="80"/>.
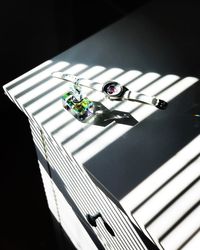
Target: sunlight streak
<point x="182" y="231"/>
<point x="166" y="171"/>
<point x="42" y="76"/>
<point x="15" y="83"/>
<point x="169" y="192"/>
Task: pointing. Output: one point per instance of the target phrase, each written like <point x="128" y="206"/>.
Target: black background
<point x="32" y="32"/>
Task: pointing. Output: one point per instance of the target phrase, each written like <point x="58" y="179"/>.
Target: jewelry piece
<point x="113" y="90"/>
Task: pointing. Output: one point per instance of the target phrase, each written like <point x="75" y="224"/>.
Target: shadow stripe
<point x="52" y="117"/>
<point x="172" y="201"/>
<point x="48" y="91"/>
<point x="27" y="77"/>
<point x="46" y="106"/>
<point x="165" y="183"/>
<point x="55" y="100"/>
<point x="189" y="239"/>
<point x="25" y="105"/>
<point x="179" y="221"/>
<point x="38" y="83"/>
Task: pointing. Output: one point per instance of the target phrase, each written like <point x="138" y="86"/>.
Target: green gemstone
<point x="81" y="110"/>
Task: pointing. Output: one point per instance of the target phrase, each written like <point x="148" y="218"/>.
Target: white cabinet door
<point x="90" y="200"/>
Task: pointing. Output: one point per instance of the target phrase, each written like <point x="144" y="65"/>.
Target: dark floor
<point x="32" y="32"/>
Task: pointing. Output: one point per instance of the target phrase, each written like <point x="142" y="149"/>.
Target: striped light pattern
<point x="66" y="144"/>
<point x="167" y="203"/>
